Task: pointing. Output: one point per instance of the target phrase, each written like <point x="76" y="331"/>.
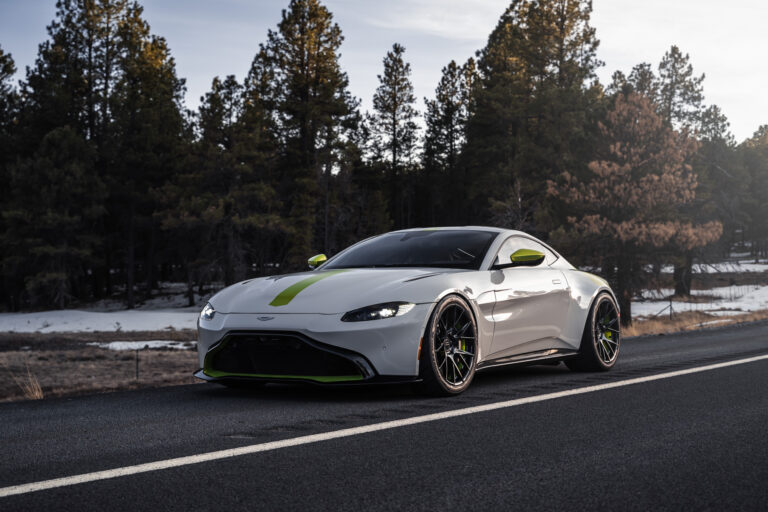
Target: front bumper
<point x="388" y="347"/>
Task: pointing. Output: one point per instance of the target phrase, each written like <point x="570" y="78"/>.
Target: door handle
<point x="556" y="281"/>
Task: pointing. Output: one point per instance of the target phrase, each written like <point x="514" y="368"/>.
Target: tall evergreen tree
<point x="628" y="208"/>
<point x="446" y="118"/>
<point x="147" y="132"/>
<point x="754" y="154"/>
<point x="534" y="110"/>
<point x="48" y="243"/>
<point x="680" y="96"/>
<point x="8" y="112"/>
<point x="313" y="110"/>
<point x="56" y="87"/>
<point x="723" y="181"/>
<point x="9" y="103"/>
<point x="395" y="129"/>
<point x="641" y="80"/>
<point x="680" y="92"/>
<point x="221" y="207"/>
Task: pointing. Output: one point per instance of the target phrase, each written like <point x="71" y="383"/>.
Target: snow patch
<point x="727" y="301"/>
<point x="139" y="345"/>
<point x="72" y="320"/>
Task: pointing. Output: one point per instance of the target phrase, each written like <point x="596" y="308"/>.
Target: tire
<point x="449" y="349"/>
<point x="599" y="349"/>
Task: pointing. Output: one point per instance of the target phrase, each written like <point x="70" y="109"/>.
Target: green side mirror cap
<point x="526" y="257"/>
<point x="316" y="260"/>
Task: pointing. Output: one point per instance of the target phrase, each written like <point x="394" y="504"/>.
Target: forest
<point x="112" y="186"/>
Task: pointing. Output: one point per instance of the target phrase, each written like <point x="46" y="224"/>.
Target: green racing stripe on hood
<point x="287" y="295"/>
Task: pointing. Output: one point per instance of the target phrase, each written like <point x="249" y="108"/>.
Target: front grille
<point x="282" y="356"/>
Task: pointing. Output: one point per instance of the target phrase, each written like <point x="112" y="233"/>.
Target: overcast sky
<point x="726" y="40"/>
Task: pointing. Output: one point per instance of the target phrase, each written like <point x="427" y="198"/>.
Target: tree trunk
<point x="682" y="276"/>
<point x="190" y="287"/>
<point x="151" y="274"/>
<point x="130" y="262"/>
<point x="229" y="266"/>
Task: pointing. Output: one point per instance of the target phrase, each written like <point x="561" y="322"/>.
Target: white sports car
<point x="431" y="306"/>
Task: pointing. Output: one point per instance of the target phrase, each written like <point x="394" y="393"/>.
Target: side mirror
<point x="316" y="260"/>
<point x="526" y="258"/>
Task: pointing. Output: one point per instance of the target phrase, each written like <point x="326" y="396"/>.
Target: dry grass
<point x="688" y="321"/>
<point x="72" y="371"/>
<point x="28" y="384"/>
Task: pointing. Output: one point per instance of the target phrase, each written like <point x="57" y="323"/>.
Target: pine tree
<point x="754" y="155"/>
<point x="680" y="96"/>
<point x="9" y="103"/>
<point x="57" y="199"/>
<point x="723" y="181"/>
<point x="56" y="87"/>
<point x="313" y="109"/>
<point x="680" y="91"/>
<point x="641" y="80"/>
<point x="147" y="137"/>
<point x="360" y="206"/>
<point x="533" y="111"/>
<point x="628" y="209"/>
<point x="446" y="118"/>
<point x="395" y="130"/>
<point x="8" y="117"/>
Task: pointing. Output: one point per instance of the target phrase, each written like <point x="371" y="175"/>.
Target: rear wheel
<point x="449" y="351"/>
<point x="600" y="342"/>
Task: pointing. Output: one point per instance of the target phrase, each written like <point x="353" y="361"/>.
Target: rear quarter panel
<point x="584" y="288"/>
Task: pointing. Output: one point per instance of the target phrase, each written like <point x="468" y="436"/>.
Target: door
<point x="531" y="302"/>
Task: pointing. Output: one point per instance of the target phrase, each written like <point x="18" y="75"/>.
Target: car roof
<point x="464" y="228"/>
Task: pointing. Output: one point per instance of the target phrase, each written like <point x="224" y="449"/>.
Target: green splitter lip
<point x="287" y="295"/>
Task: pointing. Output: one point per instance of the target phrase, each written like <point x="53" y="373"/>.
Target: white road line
<point x="347" y="432"/>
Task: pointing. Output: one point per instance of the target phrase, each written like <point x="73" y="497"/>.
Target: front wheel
<point x="449" y="349"/>
<point x="599" y="348"/>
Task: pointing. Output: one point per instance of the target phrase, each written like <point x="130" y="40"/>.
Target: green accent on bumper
<point x="287" y="295"/>
<point x="316" y="378"/>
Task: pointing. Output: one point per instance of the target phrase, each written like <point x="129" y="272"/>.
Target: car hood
<point x="328" y="291"/>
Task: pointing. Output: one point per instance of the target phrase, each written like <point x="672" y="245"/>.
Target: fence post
<point x="137" y="365"/>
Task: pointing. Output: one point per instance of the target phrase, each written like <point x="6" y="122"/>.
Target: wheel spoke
<point x="463" y="329"/>
<point x="606" y="355"/>
<point x="457" y="370"/>
<point x="609" y="349"/>
<point x="464" y="360"/>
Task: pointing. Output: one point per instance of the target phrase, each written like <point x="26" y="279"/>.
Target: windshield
<point x="428" y="248"/>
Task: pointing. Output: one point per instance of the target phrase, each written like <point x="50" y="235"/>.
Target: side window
<point x="514" y="243"/>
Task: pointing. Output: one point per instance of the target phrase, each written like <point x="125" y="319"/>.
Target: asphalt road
<point x="696" y="441"/>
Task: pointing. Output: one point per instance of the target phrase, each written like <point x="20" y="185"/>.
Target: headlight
<point x="377" y="312"/>
<point x="207" y="312"/>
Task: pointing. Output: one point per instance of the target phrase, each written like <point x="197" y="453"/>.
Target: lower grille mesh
<point x="278" y="356"/>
